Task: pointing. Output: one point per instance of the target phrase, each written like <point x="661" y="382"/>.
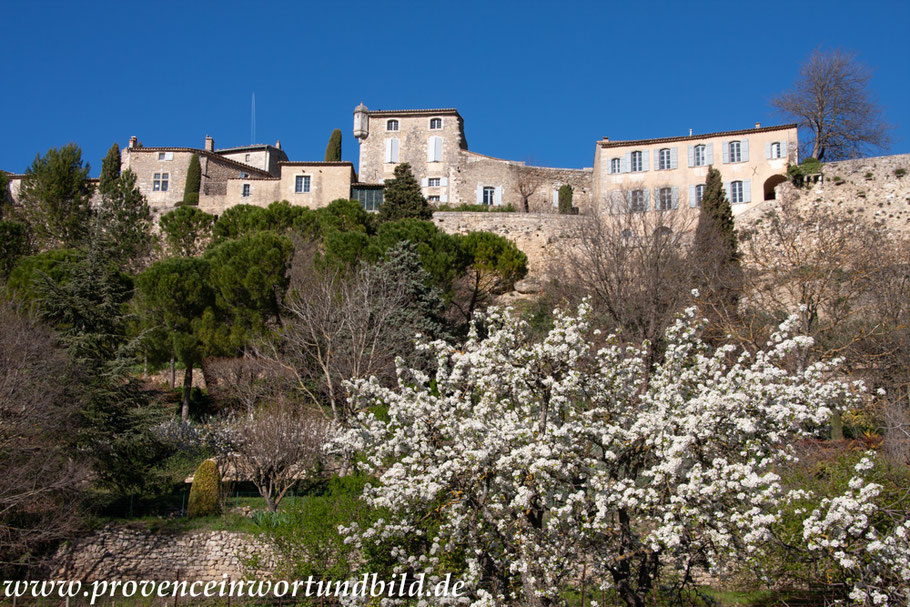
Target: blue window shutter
<point x="727" y="190"/>
<point x="644" y="160"/>
<point x="674" y="158"/>
<point x="709" y="152"/>
<point x="691" y="155"/>
<point x="629" y="201"/>
<point x="745" y="150"/>
<point x="497" y="196"/>
<point x="783" y="148"/>
<point x="479" y="194"/>
<point x="656" y="159"/>
<point x="675" y="197"/>
<point x="692" y="196"/>
<point x="626" y="162"/>
<point x="647" y="194"/>
<point x="656" y="195"/>
<point x="768" y="151"/>
<point x="747" y="190"/>
<point x="725" y="153"/>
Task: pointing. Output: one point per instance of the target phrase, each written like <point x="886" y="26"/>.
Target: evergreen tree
<point x="187" y="231"/>
<point x="6" y="199"/>
<point x="125" y="221"/>
<point x="715" y="252"/>
<point x="110" y="170"/>
<point x="402" y="197"/>
<point x="565" y="199"/>
<point x="333" y="149"/>
<point x="56" y="198"/>
<point x="193" y="181"/>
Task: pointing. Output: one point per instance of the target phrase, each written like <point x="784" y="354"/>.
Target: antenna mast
<point x="253" y="120"/>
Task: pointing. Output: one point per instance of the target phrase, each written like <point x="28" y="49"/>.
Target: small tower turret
<point x="361" y="122"/>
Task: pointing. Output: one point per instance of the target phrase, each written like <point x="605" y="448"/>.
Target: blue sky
<point x="535" y="81"/>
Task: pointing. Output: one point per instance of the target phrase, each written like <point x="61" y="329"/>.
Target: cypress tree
<point x="110" y="170"/>
<point x="565" y="199"/>
<point x="716" y="255"/>
<point x="193" y="180"/>
<point x="333" y="149"/>
<point x="402" y="197"/>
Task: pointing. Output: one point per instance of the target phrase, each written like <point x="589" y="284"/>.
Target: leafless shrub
<point x="42" y="474"/>
<point x="635" y="267"/>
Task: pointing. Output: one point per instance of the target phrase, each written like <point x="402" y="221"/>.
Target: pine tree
<point x="110" y="170"/>
<point x="716" y="255"/>
<point x="193" y="181"/>
<point x="125" y="222"/>
<point x="56" y="198"/>
<point x="402" y="197"/>
<point x="333" y="149"/>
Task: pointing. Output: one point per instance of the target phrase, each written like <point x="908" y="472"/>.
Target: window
<point x="700" y="156"/>
<point x="391" y="150"/>
<point x="736" y="192"/>
<point x="665" y="199"/>
<point x="160" y="181"/>
<point x="391" y="125"/>
<point x="435" y="123"/>
<point x="489" y="195"/>
<point x="637" y="200"/>
<point x="636" y="162"/>
<point x="664" y="159"/>
<point x="434" y="149"/>
<point x="735" y="151"/>
<point x="616" y="166"/>
<point x="162" y="156"/>
<point x="246" y="190"/>
<point x="301" y="184"/>
<point x="246" y="158"/>
<point x="433" y="198"/>
<point x="369" y="197"/>
<point x="434" y="182"/>
<point x="699" y="194"/>
<point x="775" y="150"/>
<point x="627" y="233"/>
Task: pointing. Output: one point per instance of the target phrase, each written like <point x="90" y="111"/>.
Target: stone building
<point x="635" y="175"/>
<point x="433" y="142"/>
<point x="668" y="172"/>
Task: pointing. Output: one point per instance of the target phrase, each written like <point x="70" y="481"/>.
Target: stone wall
<point x="125" y="553"/>
<point x="543" y="237"/>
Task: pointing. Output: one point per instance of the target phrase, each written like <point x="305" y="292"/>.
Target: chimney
<point x="606" y="139"/>
<point x="133" y="141"/>
<point x="278" y="144"/>
<point x="209" y="143"/>
<point x="690" y="132"/>
<point x="758" y="125"/>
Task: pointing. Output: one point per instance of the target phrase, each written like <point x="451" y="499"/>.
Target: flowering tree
<point x="543" y="462"/>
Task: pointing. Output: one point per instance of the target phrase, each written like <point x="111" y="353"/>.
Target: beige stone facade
<point x="433" y="142"/>
<point x="666" y="173"/>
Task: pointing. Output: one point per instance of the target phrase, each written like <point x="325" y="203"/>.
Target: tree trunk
<point x="173" y="373"/>
<point x="187" y="390"/>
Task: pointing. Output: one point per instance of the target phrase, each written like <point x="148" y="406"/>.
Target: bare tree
<point x="42" y="479"/>
<point x="340" y="324"/>
<point x="832" y="100"/>
<point x="634" y="264"/>
<point x="527" y="182"/>
<point x="274" y="448"/>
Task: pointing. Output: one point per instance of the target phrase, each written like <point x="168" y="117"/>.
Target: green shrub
<point x="476" y="208"/>
<point x="565" y="199"/>
<point x="798" y="173"/>
<point x="205" y="493"/>
<point x="900" y="172"/>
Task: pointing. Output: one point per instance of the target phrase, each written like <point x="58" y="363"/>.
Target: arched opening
<point x="771" y="183"/>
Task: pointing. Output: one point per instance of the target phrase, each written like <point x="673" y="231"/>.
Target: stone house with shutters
<point x="433" y="142"/>
<point x="665" y="173"/>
